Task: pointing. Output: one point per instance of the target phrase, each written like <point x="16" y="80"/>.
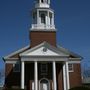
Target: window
<point x="50" y="16"/>
<point x="16" y="67"/>
<point x="70" y="67"/>
<point x="43" y="68"/>
<point x="43" y="18"/>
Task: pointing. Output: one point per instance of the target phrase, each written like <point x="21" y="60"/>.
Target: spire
<point x="42" y="16"/>
<point x="42" y="3"/>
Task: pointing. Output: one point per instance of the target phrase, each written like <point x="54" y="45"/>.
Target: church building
<point x="42" y="65"/>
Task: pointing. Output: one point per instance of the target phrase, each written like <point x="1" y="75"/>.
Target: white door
<point x="44" y="86"/>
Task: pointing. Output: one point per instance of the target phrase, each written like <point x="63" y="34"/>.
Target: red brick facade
<point x="75" y="77"/>
<point x="43" y="19"/>
<point x="13" y="79"/>
<point x="37" y="37"/>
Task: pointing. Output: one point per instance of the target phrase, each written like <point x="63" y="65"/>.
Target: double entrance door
<point x="44" y="85"/>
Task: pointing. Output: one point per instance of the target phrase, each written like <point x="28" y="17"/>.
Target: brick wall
<point x="75" y="77"/>
<point x="37" y="37"/>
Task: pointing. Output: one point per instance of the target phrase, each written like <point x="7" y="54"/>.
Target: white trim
<point x="64" y="77"/>
<point x="44" y="59"/>
<point x="20" y="50"/>
<point x="11" y="59"/>
<point x="22" y="75"/>
<point x="71" y="67"/>
<point x="11" y="62"/>
<point x="44" y="29"/>
<point x="75" y="59"/>
<point x="74" y="62"/>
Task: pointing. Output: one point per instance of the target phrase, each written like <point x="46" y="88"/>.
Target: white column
<point x="52" y="18"/>
<point x="22" y="75"/>
<point x="67" y="76"/>
<point x="48" y="18"/>
<point x="54" y="76"/>
<point x="36" y="75"/>
<point x="48" y="1"/>
<point x="64" y="77"/>
<point x="38" y="21"/>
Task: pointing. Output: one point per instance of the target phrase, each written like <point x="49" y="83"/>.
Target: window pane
<point x="70" y="67"/>
<point x="43" y="68"/>
<point x="43" y="18"/>
<point x="16" y="67"/>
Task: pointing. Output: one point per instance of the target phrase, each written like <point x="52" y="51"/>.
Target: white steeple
<point x="42" y="16"/>
<point x="42" y="3"/>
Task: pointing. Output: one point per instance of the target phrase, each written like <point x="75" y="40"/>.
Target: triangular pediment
<point x="43" y="49"/>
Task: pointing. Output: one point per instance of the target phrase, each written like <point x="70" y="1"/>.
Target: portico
<point x="54" y="78"/>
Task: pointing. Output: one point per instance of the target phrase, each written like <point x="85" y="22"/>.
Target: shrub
<point x="13" y="89"/>
<point x="80" y="88"/>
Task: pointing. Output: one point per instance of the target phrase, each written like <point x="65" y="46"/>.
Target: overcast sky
<point x="72" y="20"/>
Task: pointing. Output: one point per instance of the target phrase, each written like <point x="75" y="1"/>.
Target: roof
<point x="16" y="53"/>
<point x="58" y="50"/>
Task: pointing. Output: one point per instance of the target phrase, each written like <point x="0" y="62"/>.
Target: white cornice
<point x="74" y="62"/>
<point x="76" y="59"/>
<point x="9" y="59"/>
<point x="44" y="59"/>
<point x="10" y="62"/>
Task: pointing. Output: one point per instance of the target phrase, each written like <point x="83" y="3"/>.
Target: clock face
<point x="44" y="49"/>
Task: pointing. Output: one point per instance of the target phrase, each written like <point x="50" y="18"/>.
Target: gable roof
<point x="44" y="49"/>
<point x="71" y="54"/>
<point x="56" y="51"/>
<point x="15" y="54"/>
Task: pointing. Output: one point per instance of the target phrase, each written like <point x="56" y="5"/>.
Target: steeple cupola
<point x="42" y="27"/>
<point x="42" y="16"/>
<point x="42" y="3"/>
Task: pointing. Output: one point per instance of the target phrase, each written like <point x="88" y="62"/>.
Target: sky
<point x="72" y="21"/>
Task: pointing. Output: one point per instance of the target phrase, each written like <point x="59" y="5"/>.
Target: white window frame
<point x="70" y="67"/>
<point x="33" y="85"/>
<point x="42" y="71"/>
<point x="14" y="65"/>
